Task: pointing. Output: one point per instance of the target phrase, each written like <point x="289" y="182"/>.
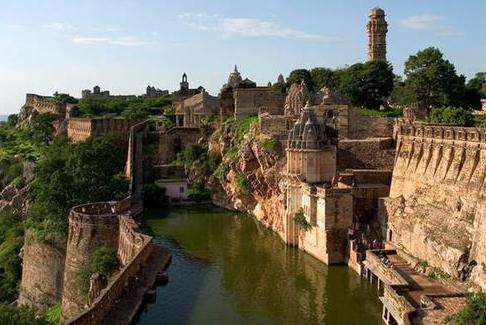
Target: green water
<point x="229" y="269"/>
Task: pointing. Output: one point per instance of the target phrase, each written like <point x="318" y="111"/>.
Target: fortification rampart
<point x="250" y="101"/>
<point x="133" y="250"/>
<point x="41" y="104"/>
<point x="437" y="208"/>
<point x="90" y="226"/>
<point x="79" y="129"/>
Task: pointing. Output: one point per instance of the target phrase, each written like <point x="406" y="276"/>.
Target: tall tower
<point x="377" y="28"/>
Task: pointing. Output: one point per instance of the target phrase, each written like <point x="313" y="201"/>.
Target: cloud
<point x="248" y="27"/>
<point x="60" y="26"/>
<point x="128" y="41"/>
<point x="429" y="22"/>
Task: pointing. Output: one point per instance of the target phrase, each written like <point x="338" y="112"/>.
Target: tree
<point x="64" y="98"/>
<point x="401" y="95"/>
<point x="298" y="75"/>
<point x="451" y="116"/>
<point x="367" y="84"/>
<point x="324" y="77"/>
<point x="433" y="80"/>
<point x="478" y="83"/>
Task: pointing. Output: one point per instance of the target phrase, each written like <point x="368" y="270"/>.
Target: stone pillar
<point x="377" y="28"/>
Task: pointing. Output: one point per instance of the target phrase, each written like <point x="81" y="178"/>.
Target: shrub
<point x="154" y="196"/>
<point x="243" y="184"/>
<point x="198" y="193"/>
<point x="452" y="116"/>
<point x="388" y="112"/>
<point x="474" y="312"/>
<point x="19" y="315"/>
<point x="438" y="274"/>
<point x="269" y="144"/>
<point x="102" y="260"/>
<point x="53" y="314"/>
<point x="301" y="222"/>
<point x="220" y="173"/>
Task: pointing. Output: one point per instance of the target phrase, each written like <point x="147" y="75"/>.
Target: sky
<point x="125" y="45"/>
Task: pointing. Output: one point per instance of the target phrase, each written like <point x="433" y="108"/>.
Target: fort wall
<point x="437" y="210"/>
<point x="79" y="129"/>
<point x="250" y="101"/>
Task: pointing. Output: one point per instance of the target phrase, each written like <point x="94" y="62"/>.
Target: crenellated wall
<point x="437" y="208"/>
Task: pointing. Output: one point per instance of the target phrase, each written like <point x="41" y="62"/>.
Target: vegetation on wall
<point x="127" y="107"/>
<point x="20" y="315"/>
<point x="301" y="221"/>
<point x="474" y="313"/>
<point x="243" y="184"/>
<point x="102" y="260"/>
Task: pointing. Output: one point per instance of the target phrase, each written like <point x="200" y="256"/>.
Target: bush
<point x="53" y="314"/>
<point x="301" y="222"/>
<point x="102" y="260"/>
<point x="154" y="196"/>
<point x="389" y="112"/>
<point x="474" y="312"/>
<point x="269" y="144"/>
<point x="198" y="193"/>
<point x="438" y="274"/>
<point x="23" y="315"/>
<point x="451" y="116"/>
<point x="11" y="240"/>
<point x="243" y="184"/>
<point x="220" y="173"/>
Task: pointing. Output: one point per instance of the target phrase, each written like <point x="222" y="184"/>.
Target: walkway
<point x="129" y="304"/>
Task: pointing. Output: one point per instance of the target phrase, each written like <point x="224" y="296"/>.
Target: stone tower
<point x="377" y="28"/>
<point x="184" y="84"/>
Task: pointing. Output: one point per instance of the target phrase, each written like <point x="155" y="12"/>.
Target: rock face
<point x="263" y="170"/>
<point x="42" y="272"/>
<point x="437" y="211"/>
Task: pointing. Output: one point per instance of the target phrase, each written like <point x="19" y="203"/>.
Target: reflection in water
<point x="229" y="269"/>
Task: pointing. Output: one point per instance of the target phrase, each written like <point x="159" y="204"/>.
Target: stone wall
<point x="437" y="210"/>
<point x="371" y="153"/>
<point x="174" y="141"/>
<point x="135" y="160"/>
<point x="250" y="101"/>
<point x="362" y="126"/>
<point x="41" y="104"/>
<point x="90" y="226"/>
<point x="79" y="129"/>
<point x="42" y="272"/>
<point x="133" y="249"/>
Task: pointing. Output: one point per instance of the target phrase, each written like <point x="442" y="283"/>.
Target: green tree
<point x="451" y="116"/>
<point x="296" y="76"/>
<point x="433" y="80"/>
<point x="13" y="315"/>
<point x="64" y="98"/>
<point x="478" y="83"/>
<point x="367" y="84"/>
<point x="40" y="128"/>
<point x="324" y="77"/>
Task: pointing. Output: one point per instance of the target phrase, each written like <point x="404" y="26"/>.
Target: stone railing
<point x="441" y="132"/>
<point x="134" y="248"/>
<point x="398" y="305"/>
<point x="391" y="276"/>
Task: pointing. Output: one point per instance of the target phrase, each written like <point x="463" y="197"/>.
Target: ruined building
<point x="241" y="98"/>
<point x="95" y="93"/>
<point x="377" y="28"/>
<point x="153" y="92"/>
<point x="191" y="111"/>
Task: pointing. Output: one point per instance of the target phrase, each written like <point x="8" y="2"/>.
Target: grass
<point x="389" y="112"/>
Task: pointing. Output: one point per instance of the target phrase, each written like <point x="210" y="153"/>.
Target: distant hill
<point x="3" y="118"/>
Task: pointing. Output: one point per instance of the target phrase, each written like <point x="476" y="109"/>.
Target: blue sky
<point x="125" y="45"/>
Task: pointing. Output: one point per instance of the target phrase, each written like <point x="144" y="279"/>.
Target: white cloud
<point x="248" y="27"/>
<point x="429" y="22"/>
<point x="120" y="41"/>
<point x="60" y="26"/>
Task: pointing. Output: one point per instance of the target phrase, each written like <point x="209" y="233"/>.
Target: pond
<point x="229" y="269"/>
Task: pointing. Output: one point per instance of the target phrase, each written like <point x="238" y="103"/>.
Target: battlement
<point x="441" y="132"/>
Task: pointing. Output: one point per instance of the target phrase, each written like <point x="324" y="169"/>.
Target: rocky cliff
<point x="249" y="177"/>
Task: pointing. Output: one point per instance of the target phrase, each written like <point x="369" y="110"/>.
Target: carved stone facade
<point x="377" y="28"/>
